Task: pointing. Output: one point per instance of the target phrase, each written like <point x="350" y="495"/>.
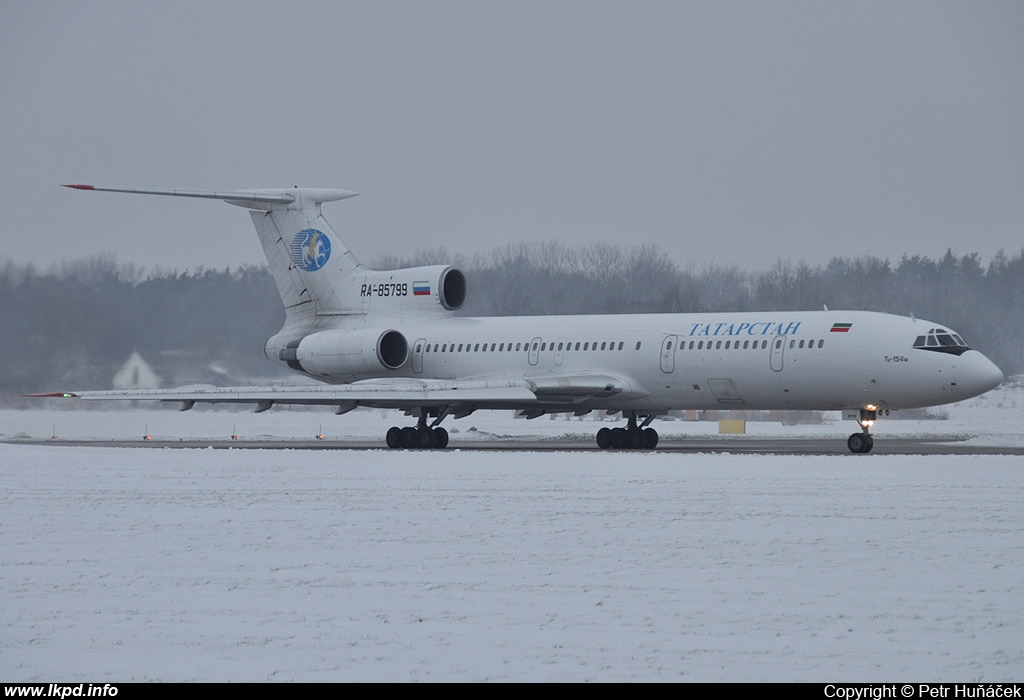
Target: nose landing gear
<point x="862" y="442"/>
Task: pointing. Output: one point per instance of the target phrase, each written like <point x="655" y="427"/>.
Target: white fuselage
<point x="819" y="360"/>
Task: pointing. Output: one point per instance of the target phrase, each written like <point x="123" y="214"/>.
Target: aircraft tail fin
<point x="297" y="242"/>
<point x="321" y="283"/>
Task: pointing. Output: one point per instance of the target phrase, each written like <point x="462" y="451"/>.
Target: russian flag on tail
<point x="421" y="289"/>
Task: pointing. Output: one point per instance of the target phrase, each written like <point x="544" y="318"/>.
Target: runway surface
<point x="736" y="445"/>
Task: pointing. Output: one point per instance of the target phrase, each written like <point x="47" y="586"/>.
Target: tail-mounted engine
<point x="435" y="290"/>
<point x="347" y="355"/>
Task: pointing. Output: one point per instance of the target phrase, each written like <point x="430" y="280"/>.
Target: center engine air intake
<point x="429" y="291"/>
<point x="453" y="289"/>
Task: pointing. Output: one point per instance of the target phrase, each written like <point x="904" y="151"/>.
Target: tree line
<point x="75" y="324"/>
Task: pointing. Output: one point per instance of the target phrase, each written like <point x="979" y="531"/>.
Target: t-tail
<point x="322" y="285"/>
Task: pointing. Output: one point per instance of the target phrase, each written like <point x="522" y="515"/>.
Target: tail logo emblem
<point x="311" y="249"/>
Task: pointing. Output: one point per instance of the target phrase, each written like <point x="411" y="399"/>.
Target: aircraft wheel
<point x="409" y="438"/>
<point x="604" y="438"/>
<point x="859" y="443"/>
<point x="618" y="438"/>
<point x="635" y="438"/>
<point x="425" y="439"/>
<point x="650" y="438"/>
<point x="394" y="437"/>
<point x="440" y="438"/>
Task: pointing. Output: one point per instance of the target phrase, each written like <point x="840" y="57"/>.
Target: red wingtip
<point x="80" y="187"/>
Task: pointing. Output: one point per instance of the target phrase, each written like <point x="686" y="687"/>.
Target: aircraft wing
<point x="405" y="393"/>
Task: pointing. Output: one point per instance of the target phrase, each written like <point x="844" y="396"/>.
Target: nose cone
<point x="976" y="374"/>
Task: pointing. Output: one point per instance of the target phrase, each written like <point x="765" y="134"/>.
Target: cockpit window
<point x="942" y="340"/>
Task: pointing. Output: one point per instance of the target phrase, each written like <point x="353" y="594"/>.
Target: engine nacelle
<point x="346" y="355"/>
<point x="414" y="291"/>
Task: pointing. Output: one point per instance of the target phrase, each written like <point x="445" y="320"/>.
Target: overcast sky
<point x="732" y="133"/>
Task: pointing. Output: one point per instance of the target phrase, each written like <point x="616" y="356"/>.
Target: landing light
<point x="866" y="423"/>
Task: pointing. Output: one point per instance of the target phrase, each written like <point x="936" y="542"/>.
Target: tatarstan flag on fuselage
<point x="841" y="327"/>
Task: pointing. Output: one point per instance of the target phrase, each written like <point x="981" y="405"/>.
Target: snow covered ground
<point x="378" y="565"/>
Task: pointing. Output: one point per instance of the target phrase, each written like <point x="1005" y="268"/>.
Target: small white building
<point x="136" y="374"/>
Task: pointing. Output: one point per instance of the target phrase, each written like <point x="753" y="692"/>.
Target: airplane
<point x="391" y="339"/>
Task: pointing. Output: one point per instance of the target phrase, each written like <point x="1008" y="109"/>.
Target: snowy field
<point x="465" y="566"/>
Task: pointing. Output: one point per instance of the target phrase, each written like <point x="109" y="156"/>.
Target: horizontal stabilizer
<point x="250" y="199"/>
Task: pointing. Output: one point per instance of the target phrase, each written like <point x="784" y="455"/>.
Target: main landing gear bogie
<point x="624" y="438"/>
<point x="421" y="438"/>
<point x="632" y="437"/>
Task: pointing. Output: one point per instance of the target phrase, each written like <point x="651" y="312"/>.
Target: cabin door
<point x="534" y="355"/>
<point x="417" y="355"/>
<point x="559" y="351"/>
<point x="778" y="347"/>
<point x="668" y="354"/>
